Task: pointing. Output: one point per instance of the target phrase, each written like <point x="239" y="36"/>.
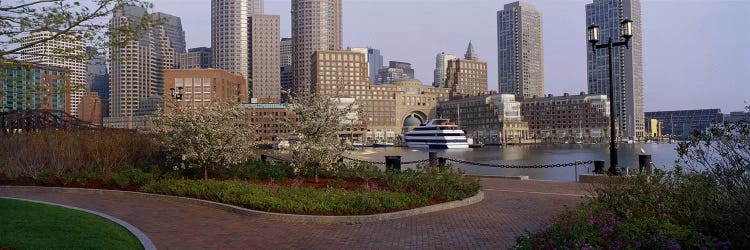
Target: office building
<point x="137" y="69"/>
<point x="34" y="86"/>
<point x="316" y="26"/>
<point x="441" y="69"/>
<point x="268" y="120"/>
<point x="66" y="52"/>
<point x="264" y="83"/>
<point x="374" y="60"/>
<point x="628" y="63"/>
<point x="520" y="52"/>
<point x="203" y="87"/>
<point x="229" y="34"/>
<point x="467" y="77"/>
<point x="386" y="107"/>
<point x="490" y="119"/>
<point x="395" y="71"/>
<point x="90" y="108"/>
<point x="196" y="58"/>
<point x="286" y="51"/>
<point x="98" y="78"/>
<point x="680" y="123"/>
<point x="567" y="118"/>
<point x="737" y="116"/>
<point x="172" y="26"/>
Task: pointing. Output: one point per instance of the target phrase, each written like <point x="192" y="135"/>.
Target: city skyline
<point x="673" y="78"/>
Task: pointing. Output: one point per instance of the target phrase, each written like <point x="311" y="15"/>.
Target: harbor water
<point x="663" y="156"/>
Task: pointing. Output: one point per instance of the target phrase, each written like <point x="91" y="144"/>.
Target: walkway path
<point x="509" y="207"/>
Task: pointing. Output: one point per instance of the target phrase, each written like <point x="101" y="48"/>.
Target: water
<point x="662" y="155"/>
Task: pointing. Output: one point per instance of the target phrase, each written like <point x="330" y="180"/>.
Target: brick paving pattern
<point x="509" y="208"/>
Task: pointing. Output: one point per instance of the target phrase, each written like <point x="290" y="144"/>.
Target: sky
<point x="696" y="53"/>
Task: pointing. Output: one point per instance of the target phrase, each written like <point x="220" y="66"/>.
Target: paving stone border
<point x="350" y="219"/>
<point x="145" y="241"/>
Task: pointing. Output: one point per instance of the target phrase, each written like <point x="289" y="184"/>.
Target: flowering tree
<point x="213" y="136"/>
<point x="320" y="120"/>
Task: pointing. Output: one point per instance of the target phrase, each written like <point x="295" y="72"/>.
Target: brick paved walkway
<point x="509" y="207"/>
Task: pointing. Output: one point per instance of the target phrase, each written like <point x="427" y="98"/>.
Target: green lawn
<point x="28" y="225"/>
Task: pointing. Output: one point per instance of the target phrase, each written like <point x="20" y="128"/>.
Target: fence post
<point x="599" y="167"/>
<point x="644" y="163"/>
<point x="264" y="158"/>
<point x="441" y="161"/>
<point x="393" y="163"/>
<point x="433" y="158"/>
<point x="575" y="171"/>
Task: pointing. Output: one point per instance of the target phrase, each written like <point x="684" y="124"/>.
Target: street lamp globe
<point x="592" y="34"/>
<point x="626" y="29"/>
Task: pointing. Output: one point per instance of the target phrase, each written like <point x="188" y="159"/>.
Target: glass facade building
<point x="681" y="122"/>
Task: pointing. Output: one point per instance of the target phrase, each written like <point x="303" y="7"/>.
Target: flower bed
<point x="289" y="199"/>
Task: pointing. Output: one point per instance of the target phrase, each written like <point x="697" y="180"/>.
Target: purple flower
<point x="370" y="187"/>
<point x="672" y="245"/>
<point x="606" y="230"/>
<point x="297" y="182"/>
<point x="245" y="183"/>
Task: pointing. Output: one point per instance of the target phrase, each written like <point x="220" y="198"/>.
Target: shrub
<point x="301" y="200"/>
<point x="440" y="183"/>
<point x="127" y="174"/>
<point x="666" y="210"/>
<point x="258" y="170"/>
<point x="30" y="154"/>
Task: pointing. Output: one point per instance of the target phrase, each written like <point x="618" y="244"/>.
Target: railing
<point x="395" y="163"/>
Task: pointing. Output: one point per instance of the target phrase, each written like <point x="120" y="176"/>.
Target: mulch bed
<point x="55" y="182"/>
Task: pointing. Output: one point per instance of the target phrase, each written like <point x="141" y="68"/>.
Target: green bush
<point x="441" y="183"/>
<point x="126" y="174"/>
<point x="88" y="176"/>
<point x="286" y="199"/>
<point x="668" y="210"/>
<point x="258" y="170"/>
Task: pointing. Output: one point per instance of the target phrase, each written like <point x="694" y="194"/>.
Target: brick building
<point x="567" y="118"/>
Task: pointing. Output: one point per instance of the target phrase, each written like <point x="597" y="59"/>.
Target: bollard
<point x="264" y="158"/>
<point x="393" y="163"/>
<point x="433" y="159"/>
<point x="644" y="163"/>
<point x="441" y="161"/>
<point x="599" y="167"/>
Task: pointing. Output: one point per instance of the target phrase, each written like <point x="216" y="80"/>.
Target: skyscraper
<point x="173" y="28"/>
<point x="628" y="62"/>
<point x="374" y="60"/>
<point x="196" y="58"/>
<point x="98" y="78"/>
<point x="471" y="54"/>
<point x="137" y="69"/>
<point x="229" y="33"/>
<point x="441" y="65"/>
<point x="316" y="26"/>
<point x="520" y="52"/>
<point x="264" y="78"/>
<point x="286" y="51"/>
<point x="47" y="53"/>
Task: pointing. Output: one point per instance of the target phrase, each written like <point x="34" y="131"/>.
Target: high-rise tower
<point x="137" y="69"/>
<point x="264" y="82"/>
<point x="628" y="62"/>
<point x="520" y="53"/>
<point x="316" y="26"/>
<point x="229" y="33"/>
<point x="46" y="53"/>
<point x="441" y="67"/>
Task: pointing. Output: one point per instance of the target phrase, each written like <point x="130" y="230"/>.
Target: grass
<point x="28" y="225"/>
<point x="289" y="199"/>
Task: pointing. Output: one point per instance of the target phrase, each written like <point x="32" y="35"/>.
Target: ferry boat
<point x="437" y="134"/>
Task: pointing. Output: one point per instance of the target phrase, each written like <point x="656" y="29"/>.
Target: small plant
<point x="337" y="183"/>
<point x="126" y="174"/>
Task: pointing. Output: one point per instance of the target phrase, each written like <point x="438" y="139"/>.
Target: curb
<point x="145" y="241"/>
<point x="348" y="219"/>
<point x="518" y="177"/>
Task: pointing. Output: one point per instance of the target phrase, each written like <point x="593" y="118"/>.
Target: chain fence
<point x="492" y="165"/>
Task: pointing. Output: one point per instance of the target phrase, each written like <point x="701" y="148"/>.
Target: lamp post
<point x="626" y="32"/>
